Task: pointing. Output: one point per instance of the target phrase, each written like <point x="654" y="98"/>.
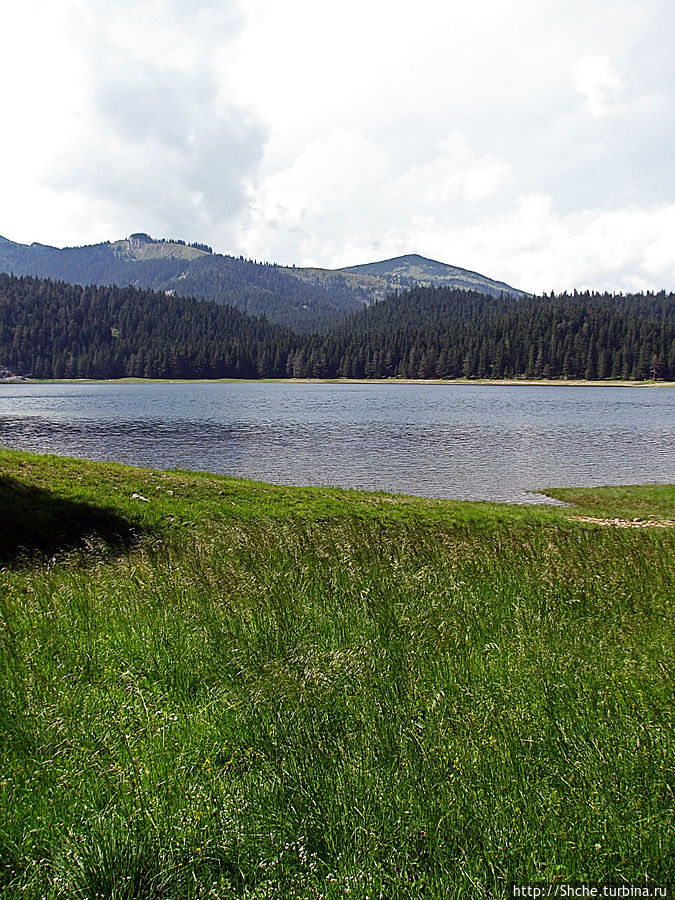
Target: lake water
<point x="473" y="442"/>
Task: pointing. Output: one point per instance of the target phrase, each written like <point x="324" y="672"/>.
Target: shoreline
<point x="500" y="382"/>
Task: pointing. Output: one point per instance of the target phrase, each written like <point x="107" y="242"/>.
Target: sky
<point x="529" y="140"/>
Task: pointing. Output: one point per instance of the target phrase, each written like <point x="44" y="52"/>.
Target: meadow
<point x="212" y="688"/>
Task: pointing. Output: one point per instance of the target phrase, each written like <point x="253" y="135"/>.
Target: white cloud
<point x="164" y="147"/>
<point x="530" y="245"/>
<point x="138" y="126"/>
<point x="534" y="248"/>
<point x="346" y="186"/>
<point x="529" y="141"/>
<point x="457" y="174"/>
<point x="323" y="181"/>
<point x="596" y="79"/>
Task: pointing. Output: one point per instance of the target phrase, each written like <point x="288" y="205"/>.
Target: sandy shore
<point x="521" y="382"/>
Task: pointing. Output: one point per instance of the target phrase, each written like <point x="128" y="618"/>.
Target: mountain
<point x="304" y="299"/>
<point x="411" y="270"/>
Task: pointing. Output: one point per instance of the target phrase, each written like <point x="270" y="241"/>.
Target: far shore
<point x="508" y="382"/>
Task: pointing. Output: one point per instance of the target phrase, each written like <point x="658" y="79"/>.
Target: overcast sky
<point x="530" y="140"/>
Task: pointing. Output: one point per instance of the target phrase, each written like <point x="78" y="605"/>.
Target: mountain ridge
<point x="304" y="298"/>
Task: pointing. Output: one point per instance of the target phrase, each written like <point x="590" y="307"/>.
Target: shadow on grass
<point x="37" y="523"/>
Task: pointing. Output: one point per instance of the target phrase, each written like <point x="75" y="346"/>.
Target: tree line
<point x="52" y="329"/>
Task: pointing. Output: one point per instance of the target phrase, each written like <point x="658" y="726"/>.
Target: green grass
<point x="238" y="690"/>
<point x="627" y="501"/>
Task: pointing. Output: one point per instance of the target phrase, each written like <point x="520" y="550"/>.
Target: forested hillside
<point x="438" y="332"/>
<point x="53" y="330"/>
<point x="58" y="330"/>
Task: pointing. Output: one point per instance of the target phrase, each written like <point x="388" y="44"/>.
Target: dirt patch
<point x="626" y="523"/>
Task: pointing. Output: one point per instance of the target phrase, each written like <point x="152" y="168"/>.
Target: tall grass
<point x="364" y="706"/>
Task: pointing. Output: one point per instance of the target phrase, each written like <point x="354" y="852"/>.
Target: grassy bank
<point x="226" y="689"/>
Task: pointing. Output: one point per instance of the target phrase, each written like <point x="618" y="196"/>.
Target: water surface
<point x="474" y="442"/>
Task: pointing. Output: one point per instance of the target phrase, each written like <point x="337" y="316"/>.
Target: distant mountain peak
<point x="406" y="259"/>
<point x="412" y="268"/>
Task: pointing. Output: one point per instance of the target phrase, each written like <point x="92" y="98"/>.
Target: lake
<point x="459" y="441"/>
